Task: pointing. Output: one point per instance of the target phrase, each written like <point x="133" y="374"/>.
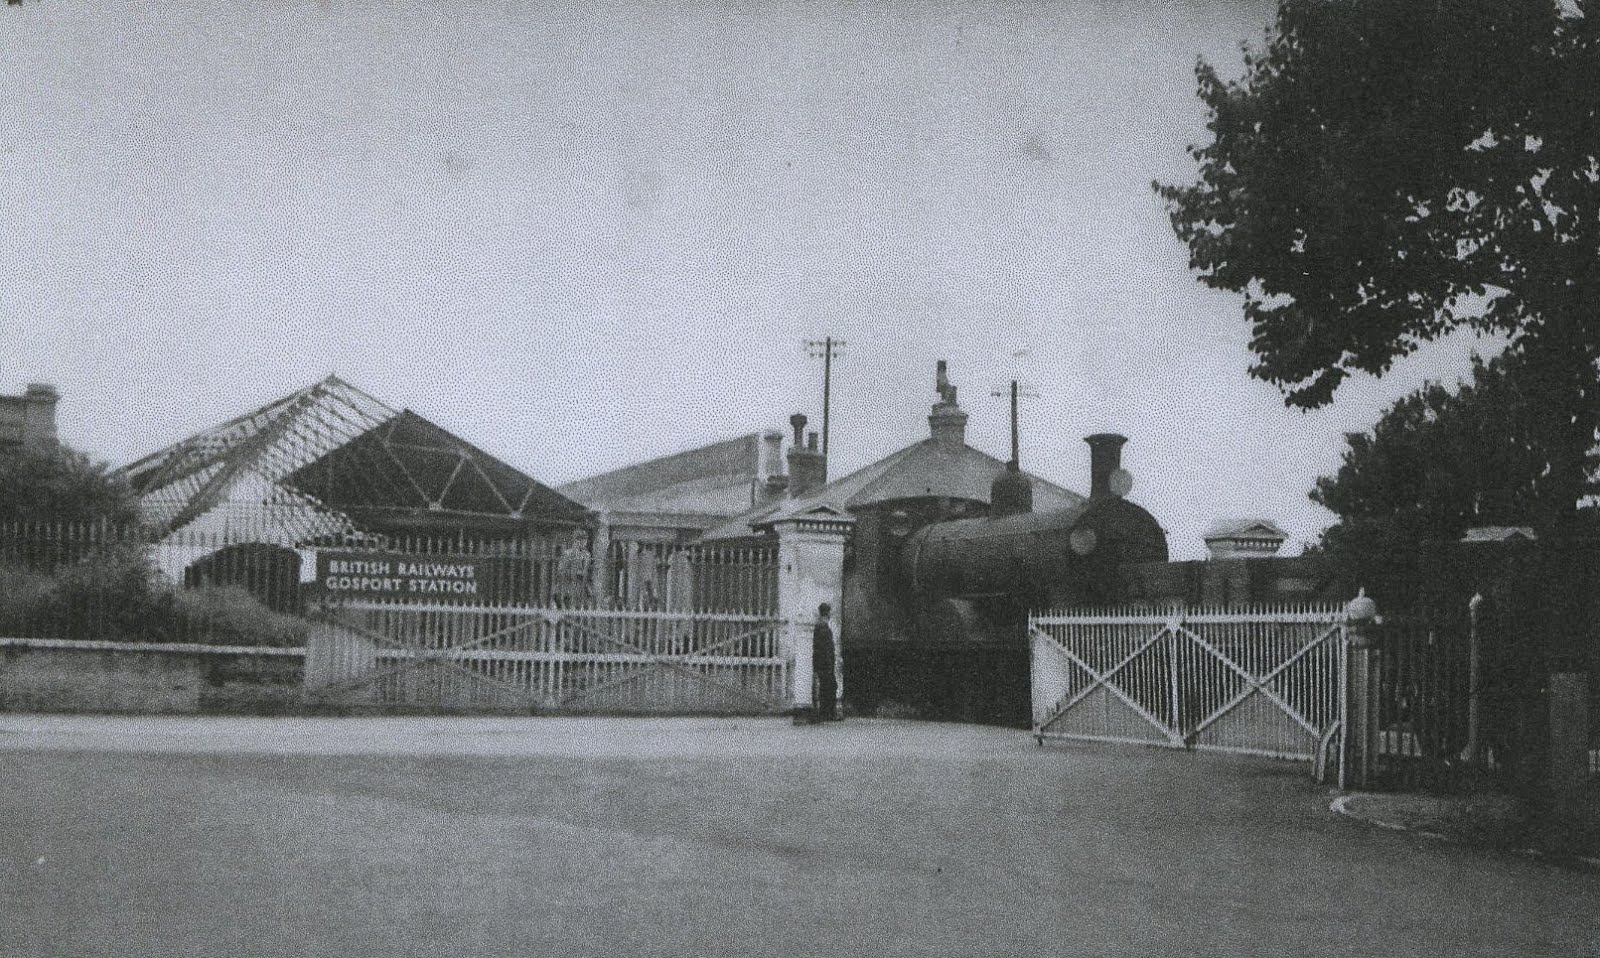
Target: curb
<point x="1341" y="806"/>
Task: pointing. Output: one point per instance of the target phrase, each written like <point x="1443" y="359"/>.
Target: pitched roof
<point x="1245" y="529"/>
<point x="922" y="469"/>
<point x="330" y="460"/>
<point x="712" y="481"/>
<point x="1499" y="534"/>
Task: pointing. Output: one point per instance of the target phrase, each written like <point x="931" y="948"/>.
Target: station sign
<point x="372" y="574"/>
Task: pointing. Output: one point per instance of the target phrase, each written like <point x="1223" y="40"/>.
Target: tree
<point x="1388" y="171"/>
<point x="47" y="483"/>
<point x="1438" y="462"/>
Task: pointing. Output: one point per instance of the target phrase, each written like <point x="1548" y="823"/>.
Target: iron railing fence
<point x="245" y="583"/>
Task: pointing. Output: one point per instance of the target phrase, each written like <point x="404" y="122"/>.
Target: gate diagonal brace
<point x="1254" y="685"/>
<point x="418" y="658"/>
<point x="666" y="662"/>
<point x="1104" y="679"/>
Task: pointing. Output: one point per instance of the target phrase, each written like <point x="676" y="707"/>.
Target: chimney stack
<point x="946" y="422"/>
<point x="771" y="482"/>
<point x="31" y="417"/>
<point x="1105" y="457"/>
<point x="808" y="467"/>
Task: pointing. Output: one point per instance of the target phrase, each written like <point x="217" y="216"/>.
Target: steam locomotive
<point x="1015" y="558"/>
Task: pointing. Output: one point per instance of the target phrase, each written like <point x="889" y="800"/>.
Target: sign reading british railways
<point x="399" y="575"/>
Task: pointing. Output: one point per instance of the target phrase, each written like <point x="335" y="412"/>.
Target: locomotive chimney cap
<point x="1105" y="462"/>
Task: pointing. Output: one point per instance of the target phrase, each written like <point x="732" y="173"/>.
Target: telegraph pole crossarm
<point x="1016" y="390"/>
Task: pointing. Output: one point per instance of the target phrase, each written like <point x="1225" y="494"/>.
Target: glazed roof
<point x="331" y="459"/>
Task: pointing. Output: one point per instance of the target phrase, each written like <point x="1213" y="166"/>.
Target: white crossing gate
<point x="1263" y="680"/>
<point x="547" y="659"/>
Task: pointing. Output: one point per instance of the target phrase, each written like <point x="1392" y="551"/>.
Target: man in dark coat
<point x="822" y="658"/>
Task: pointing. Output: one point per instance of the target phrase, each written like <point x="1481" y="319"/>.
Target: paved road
<point x="702" y="837"/>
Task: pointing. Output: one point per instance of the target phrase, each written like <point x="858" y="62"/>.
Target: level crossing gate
<point x="1262" y="680"/>
<point x="578" y="660"/>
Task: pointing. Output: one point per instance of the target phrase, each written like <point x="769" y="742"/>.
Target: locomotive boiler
<point x="1015" y="557"/>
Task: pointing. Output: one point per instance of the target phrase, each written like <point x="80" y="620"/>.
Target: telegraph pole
<point x="826" y="349"/>
<point x="1017" y="390"/>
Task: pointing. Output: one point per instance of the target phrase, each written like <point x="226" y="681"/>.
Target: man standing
<point x="822" y="667"/>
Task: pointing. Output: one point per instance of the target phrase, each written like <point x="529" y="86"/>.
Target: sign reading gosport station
<point x="397" y="575"/>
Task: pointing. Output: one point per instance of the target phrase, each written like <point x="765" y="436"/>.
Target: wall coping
<point x="94" y="645"/>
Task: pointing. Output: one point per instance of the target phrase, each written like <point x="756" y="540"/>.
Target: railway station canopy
<point x="332" y="461"/>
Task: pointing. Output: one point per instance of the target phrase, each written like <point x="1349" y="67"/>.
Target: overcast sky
<point x="585" y="236"/>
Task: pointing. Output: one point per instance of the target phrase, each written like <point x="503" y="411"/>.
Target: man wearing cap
<point x="822" y="662"/>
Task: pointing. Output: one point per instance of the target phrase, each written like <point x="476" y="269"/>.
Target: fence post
<point x="810" y="572"/>
<point x="1360" y="740"/>
<point x="1473" y="752"/>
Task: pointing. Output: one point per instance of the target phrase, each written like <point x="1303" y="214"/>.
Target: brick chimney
<point x="946" y="422"/>
<point x="31" y="417"/>
<point x="808" y="467"/>
<point x="1105" y="458"/>
<point x="770" y="482"/>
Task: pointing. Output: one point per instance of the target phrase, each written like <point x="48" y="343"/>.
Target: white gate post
<point x="1361" y="742"/>
<point x="810" y="572"/>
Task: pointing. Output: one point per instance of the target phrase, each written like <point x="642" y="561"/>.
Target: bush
<point x="230" y="615"/>
<point x="116" y="595"/>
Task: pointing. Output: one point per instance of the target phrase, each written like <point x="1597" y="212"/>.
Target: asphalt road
<point x="705" y="837"/>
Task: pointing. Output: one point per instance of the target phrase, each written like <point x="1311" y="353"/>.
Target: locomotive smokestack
<point x="1105" y="457"/>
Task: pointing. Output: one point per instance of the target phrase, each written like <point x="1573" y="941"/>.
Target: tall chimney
<point x="946" y="422"/>
<point x="808" y="467"/>
<point x="771" y="481"/>
<point x="39" y="414"/>
<point x="1105" y="457"/>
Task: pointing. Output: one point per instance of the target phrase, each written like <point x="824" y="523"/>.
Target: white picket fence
<point x="1264" y="680"/>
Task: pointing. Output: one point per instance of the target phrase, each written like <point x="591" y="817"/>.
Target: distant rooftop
<point x="1500" y="534"/>
<point x="942" y="465"/>
<point x="711" y="482"/>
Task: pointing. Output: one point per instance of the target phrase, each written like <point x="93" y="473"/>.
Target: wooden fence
<point x="1261" y="680"/>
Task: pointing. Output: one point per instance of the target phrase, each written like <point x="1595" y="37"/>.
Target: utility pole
<point x="1017" y="390"/>
<point x="826" y="349"/>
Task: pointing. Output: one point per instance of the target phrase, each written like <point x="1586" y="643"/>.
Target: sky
<point x="584" y="236"/>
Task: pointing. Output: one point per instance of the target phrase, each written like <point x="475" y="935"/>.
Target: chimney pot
<point x="947" y="424"/>
<point x="811" y="442"/>
<point x="798" y="421"/>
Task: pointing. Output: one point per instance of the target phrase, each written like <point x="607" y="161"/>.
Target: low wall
<point x="61" y="675"/>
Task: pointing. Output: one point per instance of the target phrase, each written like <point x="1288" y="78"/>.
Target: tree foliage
<point x="1440" y="461"/>
<point x="1388" y="171"/>
<point x="47" y="483"/>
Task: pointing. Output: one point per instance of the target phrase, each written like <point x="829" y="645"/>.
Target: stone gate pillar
<point x="810" y="572"/>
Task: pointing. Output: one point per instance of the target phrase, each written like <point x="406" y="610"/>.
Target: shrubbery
<point x="115" y="594"/>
